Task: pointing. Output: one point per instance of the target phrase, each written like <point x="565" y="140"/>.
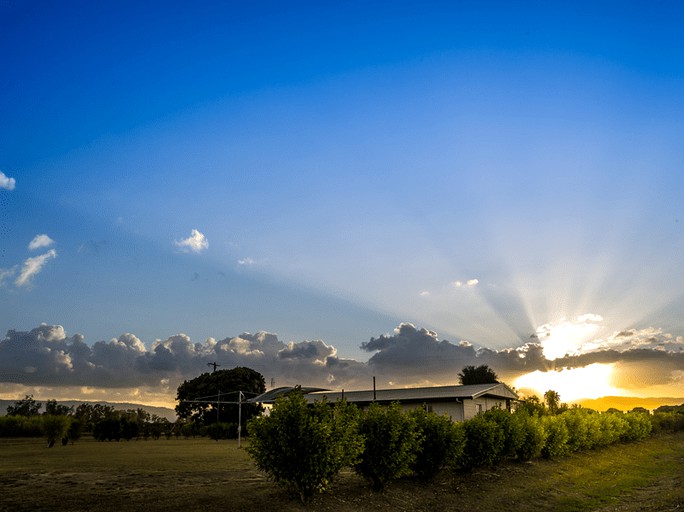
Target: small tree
<point x="552" y="400"/>
<point x="303" y="447"/>
<point x="391" y="444"/>
<point x="482" y="374"/>
<point x="54" y="428"/>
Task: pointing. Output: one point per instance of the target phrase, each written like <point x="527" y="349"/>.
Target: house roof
<point x="424" y="394"/>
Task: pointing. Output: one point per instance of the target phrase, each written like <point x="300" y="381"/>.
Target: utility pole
<point x="240" y="397"/>
<point x="214" y="364"/>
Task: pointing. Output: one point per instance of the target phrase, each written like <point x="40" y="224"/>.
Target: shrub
<point x="513" y="434"/>
<point x="218" y="431"/>
<point x="638" y="426"/>
<point x="612" y="427"/>
<point x="557" y="436"/>
<point x="667" y="421"/>
<point x="390" y="444"/>
<point x="303" y="447"/>
<point x="531" y="436"/>
<point x="107" y="430"/>
<point x="484" y="442"/>
<point x="75" y="430"/>
<point x="578" y="429"/>
<point x="440" y="443"/>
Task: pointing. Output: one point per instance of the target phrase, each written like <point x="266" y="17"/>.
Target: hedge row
<point x="53" y="427"/>
<point x="303" y="447"/>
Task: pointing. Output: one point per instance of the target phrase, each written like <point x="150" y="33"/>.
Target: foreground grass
<point x="193" y="475"/>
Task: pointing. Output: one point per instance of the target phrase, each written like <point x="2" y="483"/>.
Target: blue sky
<point x="484" y="171"/>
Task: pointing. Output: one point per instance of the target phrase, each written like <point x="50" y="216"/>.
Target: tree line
<point x="66" y="424"/>
<point x="208" y="406"/>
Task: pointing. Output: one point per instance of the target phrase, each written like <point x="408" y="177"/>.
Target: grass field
<point x="193" y="475"/>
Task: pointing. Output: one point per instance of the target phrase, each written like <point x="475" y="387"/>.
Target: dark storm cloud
<point x="46" y="356"/>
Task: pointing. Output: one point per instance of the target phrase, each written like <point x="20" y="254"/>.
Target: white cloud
<point x="6" y="273"/>
<point x="40" y="241"/>
<point x="246" y="261"/>
<point x="196" y="242"/>
<point x="6" y="182"/>
<point x="32" y="266"/>
<point x="470" y="283"/>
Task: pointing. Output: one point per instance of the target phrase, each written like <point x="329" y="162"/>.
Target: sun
<point x="593" y="381"/>
<point x="568" y="336"/>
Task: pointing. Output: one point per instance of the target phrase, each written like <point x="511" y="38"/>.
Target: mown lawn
<point x="199" y="474"/>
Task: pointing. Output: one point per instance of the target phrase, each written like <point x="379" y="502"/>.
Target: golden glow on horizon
<point x="593" y="381"/>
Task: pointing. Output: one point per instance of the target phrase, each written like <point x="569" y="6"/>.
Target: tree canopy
<point x="27" y="406"/>
<point x="482" y="374"/>
<point x="199" y="397"/>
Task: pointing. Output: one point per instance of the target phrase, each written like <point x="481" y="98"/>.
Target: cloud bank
<point x="46" y="357"/>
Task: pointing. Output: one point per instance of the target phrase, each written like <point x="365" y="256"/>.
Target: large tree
<point x="27" y="406"/>
<point x="199" y="399"/>
<point x="482" y="374"/>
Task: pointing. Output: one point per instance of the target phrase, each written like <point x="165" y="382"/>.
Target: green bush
<point x="512" y="430"/>
<point x="578" y="430"/>
<point x="612" y="428"/>
<point x="531" y="435"/>
<point x="21" y="426"/>
<point x="218" y="431"/>
<point x="390" y="444"/>
<point x="440" y="442"/>
<point x="638" y="426"/>
<point x="484" y="442"/>
<point x="557" y="436"/>
<point x="669" y="421"/>
<point x="303" y="447"/>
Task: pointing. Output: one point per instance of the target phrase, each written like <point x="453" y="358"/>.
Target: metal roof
<point x="424" y="394"/>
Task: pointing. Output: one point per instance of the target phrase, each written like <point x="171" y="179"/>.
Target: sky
<point x="327" y="192"/>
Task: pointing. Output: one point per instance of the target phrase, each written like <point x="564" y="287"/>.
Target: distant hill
<point x="627" y="403"/>
<point x="162" y="412"/>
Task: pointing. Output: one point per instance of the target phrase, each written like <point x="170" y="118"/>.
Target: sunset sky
<point x="395" y="189"/>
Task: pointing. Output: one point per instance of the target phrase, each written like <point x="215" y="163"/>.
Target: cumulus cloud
<point x="40" y="241"/>
<point x="6" y="182"/>
<point x="32" y="267"/>
<point x="47" y="356"/>
<point x="196" y="242"/>
<point x="246" y="261"/>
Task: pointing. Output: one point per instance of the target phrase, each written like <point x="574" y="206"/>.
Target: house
<point x="458" y="402"/>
